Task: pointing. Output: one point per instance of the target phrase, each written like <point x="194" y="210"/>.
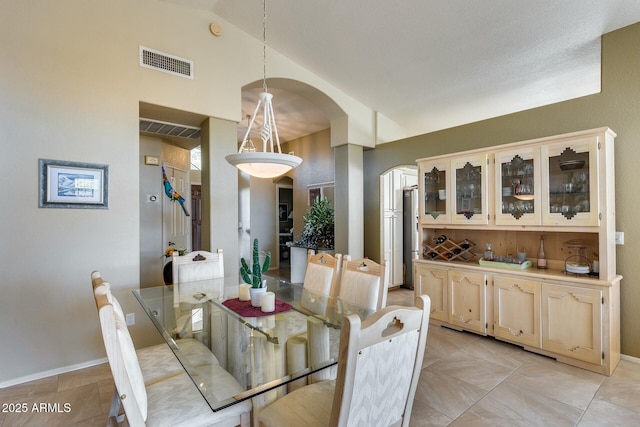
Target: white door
<point x="176" y="225"/>
<point x="392" y="227"/>
<point x="391" y="185"/>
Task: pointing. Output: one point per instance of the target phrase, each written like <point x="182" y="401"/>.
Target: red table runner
<point x="245" y="309"/>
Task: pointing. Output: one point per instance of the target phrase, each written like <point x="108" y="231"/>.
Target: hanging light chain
<point x="264" y="45"/>
<point x="268" y="163"/>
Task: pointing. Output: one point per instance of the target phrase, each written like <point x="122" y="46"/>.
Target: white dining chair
<point x="171" y="400"/>
<point x="156" y="361"/>
<point x="96" y="278"/>
<point x="192" y="267"/>
<point x="378" y="371"/>
<point x="320" y="280"/>
<point x="362" y="284"/>
<point x="197" y="265"/>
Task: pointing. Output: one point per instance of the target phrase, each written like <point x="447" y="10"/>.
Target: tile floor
<point x="470" y="380"/>
<point x="467" y="380"/>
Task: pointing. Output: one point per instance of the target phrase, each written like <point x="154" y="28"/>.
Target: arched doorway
<point x="304" y="118"/>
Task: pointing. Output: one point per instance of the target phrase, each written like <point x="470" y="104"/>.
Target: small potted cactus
<point x="253" y="275"/>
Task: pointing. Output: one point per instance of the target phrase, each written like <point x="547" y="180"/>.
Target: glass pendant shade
<point x="264" y="164"/>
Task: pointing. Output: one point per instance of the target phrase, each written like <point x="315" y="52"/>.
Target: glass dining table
<point x="294" y="345"/>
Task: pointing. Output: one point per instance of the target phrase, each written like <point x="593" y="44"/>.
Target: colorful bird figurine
<point x="173" y="194"/>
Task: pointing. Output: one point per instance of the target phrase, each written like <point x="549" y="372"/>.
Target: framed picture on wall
<point x="313" y="194"/>
<point x="283" y="212"/>
<point x="322" y="190"/>
<point x="66" y="184"/>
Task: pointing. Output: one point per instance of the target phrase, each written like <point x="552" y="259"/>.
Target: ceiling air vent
<point x="166" y="63"/>
<point x="170" y="129"/>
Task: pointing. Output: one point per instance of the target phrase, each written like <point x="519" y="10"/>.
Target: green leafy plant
<point x="318" y="231"/>
<point x="253" y="275"/>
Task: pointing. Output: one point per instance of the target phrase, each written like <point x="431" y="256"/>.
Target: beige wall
<point x="617" y="106"/>
<point x="317" y="167"/>
<point x="70" y="88"/>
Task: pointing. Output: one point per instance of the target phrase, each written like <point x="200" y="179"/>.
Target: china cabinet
<point x="433" y="183"/>
<point x="572" y="321"/>
<point x="432" y="281"/>
<point x="570" y="174"/>
<point x="516" y="310"/>
<point x="560" y="188"/>
<point x="469" y="188"/>
<point x="443" y="248"/>
<point x="517" y="187"/>
<point x="467" y="296"/>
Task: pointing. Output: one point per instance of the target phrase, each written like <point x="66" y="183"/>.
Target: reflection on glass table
<point x="262" y="351"/>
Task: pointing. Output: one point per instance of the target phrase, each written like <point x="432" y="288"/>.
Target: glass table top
<point x="232" y="357"/>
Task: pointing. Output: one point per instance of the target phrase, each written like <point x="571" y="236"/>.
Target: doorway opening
<point x="284" y="223"/>
<point x="163" y="142"/>
<point x="196" y="217"/>
<point x="398" y="225"/>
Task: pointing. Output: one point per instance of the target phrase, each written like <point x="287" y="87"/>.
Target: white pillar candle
<point x="243" y="293"/>
<point x="268" y="302"/>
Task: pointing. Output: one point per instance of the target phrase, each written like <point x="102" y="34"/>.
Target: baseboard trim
<point x="630" y="358"/>
<point x="52" y="372"/>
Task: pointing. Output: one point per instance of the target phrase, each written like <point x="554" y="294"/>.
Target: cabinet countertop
<point x="533" y="273"/>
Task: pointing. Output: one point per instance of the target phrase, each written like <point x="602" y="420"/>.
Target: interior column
<point x="220" y="190"/>
<point x="349" y="200"/>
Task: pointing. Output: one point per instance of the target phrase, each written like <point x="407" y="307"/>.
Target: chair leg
<point x="115" y="419"/>
<point x="245" y="419"/>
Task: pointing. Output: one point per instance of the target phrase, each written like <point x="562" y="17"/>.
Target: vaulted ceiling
<point x="430" y="65"/>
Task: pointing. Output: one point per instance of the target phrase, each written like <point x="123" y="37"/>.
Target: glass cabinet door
<point x="469" y="190"/>
<point x="570" y="179"/>
<point x="434" y="203"/>
<point x="518" y="187"/>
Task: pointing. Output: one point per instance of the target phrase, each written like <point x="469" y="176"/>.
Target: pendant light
<point x="266" y="163"/>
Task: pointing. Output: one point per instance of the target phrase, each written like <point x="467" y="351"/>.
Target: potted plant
<point x="318" y="231"/>
<point x="317" y="234"/>
<point x="253" y="275"/>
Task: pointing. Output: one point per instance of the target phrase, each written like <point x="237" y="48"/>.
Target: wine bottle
<point x="542" y="258"/>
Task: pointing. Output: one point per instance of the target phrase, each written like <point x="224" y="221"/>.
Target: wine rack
<point x="448" y="250"/>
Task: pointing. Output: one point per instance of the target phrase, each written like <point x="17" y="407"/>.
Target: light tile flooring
<point x="470" y="380"/>
<point x="467" y="380"/>
<point x="88" y="393"/>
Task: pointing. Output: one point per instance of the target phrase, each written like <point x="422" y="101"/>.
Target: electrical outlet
<point x="130" y="318"/>
<point x="619" y="237"/>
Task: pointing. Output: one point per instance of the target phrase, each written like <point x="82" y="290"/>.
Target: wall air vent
<point x="166" y="63"/>
<point x="158" y="127"/>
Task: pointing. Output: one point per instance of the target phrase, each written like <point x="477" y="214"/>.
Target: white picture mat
<point x="74" y="185"/>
